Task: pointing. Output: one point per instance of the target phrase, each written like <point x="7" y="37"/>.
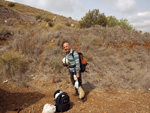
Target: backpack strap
<point x="72" y="53"/>
<point x="59" y="95"/>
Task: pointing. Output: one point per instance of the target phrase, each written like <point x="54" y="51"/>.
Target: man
<point x="74" y="65"/>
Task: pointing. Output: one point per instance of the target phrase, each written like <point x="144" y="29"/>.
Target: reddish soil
<point x="130" y="46"/>
<point x="32" y="99"/>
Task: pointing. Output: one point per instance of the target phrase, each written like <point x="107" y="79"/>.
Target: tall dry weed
<point x="13" y="64"/>
<point x="59" y="27"/>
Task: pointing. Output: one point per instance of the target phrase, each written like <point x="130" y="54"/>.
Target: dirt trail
<point x="32" y="100"/>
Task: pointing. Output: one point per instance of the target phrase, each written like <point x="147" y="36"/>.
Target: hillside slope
<point x="31" y="55"/>
<point x="117" y="58"/>
<point x="30" y="15"/>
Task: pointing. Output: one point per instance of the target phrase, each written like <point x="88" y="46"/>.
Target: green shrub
<point x="38" y="17"/>
<point x="11" y="4"/>
<point x="56" y="65"/>
<point x="68" y="24"/>
<point x="93" y="18"/>
<point x="4" y="30"/>
<point x="50" y="24"/>
<point x="112" y="21"/>
<point x="70" y="17"/>
<point x="47" y="19"/>
<point x="12" y="63"/>
<point x="125" y="24"/>
<point x="101" y="20"/>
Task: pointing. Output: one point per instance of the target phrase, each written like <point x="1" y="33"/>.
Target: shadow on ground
<point x="17" y="101"/>
<point x="88" y="87"/>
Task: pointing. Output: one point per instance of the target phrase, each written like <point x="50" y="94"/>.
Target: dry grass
<point x="108" y="67"/>
<point x="13" y="65"/>
<point x="60" y="27"/>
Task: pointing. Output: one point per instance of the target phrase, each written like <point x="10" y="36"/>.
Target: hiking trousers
<point x="73" y="81"/>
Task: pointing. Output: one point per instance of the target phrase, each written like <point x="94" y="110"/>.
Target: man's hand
<point x="77" y="76"/>
<point x="64" y="64"/>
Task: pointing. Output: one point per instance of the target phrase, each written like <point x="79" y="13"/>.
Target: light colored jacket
<point x="74" y="63"/>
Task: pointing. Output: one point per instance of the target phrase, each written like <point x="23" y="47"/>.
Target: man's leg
<point x="73" y="82"/>
<point x="80" y="84"/>
<point x="80" y="79"/>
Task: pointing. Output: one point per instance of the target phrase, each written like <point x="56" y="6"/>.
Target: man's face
<point x="66" y="47"/>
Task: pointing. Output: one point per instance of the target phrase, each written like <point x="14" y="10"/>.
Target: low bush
<point x="11" y="4"/>
<point x="38" y="17"/>
<point x="125" y="24"/>
<point x="44" y="26"/>
<point x="59" y="27"/>
<point x="92" y="18"/>
<point x="68" y="24"/>
<point x="50" y="24"/>
<point x="13" y="64"/>
<point x="47" y="19"/>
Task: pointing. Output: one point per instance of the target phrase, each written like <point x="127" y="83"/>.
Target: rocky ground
<point x="32" y="99"/>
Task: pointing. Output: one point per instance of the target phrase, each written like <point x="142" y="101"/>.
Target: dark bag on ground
<point x="62" y="101"/>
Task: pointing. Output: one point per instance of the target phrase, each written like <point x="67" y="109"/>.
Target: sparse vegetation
<point x="68" y="24"/>
<point x="13" y="64"/>
<point x="48" y="19"/>
<point x="3" y="30"/>
<point x="50" y="24"/>
<point x="94" y="17"/>
<point x="112" y="21"/>
<point x="11" y="4"/>
<point x="59" y="26"/>
<point x="38" y="17"/>
<point x="125" y="24"/>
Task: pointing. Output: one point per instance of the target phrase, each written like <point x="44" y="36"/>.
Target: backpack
<point x="62" y="101"/>
<point x="83" y="61"/>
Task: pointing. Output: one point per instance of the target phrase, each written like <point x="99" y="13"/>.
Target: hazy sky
<point x="136" y="11"/>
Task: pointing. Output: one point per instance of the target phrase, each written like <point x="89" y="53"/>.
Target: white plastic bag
<point x="48" y="108"/>
<point x="74" y="76"/>
<point x="76" y="84"/>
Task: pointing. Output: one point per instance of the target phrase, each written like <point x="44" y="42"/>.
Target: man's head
<point x="67" y="47"/>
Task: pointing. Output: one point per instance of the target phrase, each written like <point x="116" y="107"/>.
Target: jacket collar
<point x="70" y="52"/>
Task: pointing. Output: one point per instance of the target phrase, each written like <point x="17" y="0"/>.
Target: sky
<point x="136" y="11"/>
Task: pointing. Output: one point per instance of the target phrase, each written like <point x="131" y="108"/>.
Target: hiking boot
<point x="75" y="94"/>
<point x="82" y="99"/>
